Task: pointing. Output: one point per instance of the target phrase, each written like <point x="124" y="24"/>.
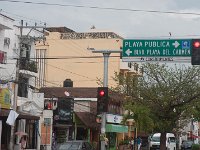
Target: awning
<point x="116" y="128"/>
<point x="88" y="119"/>
<point x="194" y="136"/>
<point x="5" y="113"/>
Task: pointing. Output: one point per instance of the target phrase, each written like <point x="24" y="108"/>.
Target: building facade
<point x="83" y="125"/>
<point x="70" y="55"/>
<point x="17" y="85"/>
<point x="66" y="54"/>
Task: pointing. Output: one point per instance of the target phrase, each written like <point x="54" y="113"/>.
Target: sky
<point x="128" y="23"/>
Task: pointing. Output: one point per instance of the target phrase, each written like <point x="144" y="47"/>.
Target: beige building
<point x="67" y="54"/>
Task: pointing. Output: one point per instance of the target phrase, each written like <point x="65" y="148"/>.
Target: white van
<point x="154" y="143"/>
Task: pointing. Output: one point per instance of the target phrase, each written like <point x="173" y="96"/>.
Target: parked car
<point x="75" y="145"/>
<point x="186" y="145"/>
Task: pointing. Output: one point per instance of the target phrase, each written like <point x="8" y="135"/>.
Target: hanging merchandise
<point x="12" y="117"/>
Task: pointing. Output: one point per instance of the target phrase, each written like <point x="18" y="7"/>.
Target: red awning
<point x="194" y="136"/>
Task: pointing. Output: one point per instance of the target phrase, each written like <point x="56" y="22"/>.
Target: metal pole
<point x="105" y="77"/>
<point x="46" y="136"/>
<point x="105" y="84"/>
<point x="11" y="144"/>
<point x="106" y="54"/>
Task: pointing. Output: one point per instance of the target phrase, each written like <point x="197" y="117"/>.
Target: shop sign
<point x="114" y="118"/>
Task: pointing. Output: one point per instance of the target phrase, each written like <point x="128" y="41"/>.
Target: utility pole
<point x="106" y="54"/>
<point x="12" y="134"/>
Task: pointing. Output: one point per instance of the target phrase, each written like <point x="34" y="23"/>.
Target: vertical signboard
<point x="64" y="111"/>
<point x="5" y="98"/>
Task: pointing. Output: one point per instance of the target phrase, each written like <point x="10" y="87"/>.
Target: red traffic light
<point x="101" y="93"/>
<point x="196" y="44"/>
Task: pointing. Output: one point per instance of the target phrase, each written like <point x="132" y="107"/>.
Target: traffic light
<point x="102" y="99"/>
<point x="195" y="52"/>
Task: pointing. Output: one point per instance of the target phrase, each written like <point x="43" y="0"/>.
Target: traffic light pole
<point x="105" y="84"/>
<point x="106" y="54"/>
<point x="105" y="75"/>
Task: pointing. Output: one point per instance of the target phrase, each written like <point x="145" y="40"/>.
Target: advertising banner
<point x="5" y="98"/>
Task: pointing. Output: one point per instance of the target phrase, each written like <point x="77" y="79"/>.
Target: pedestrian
<point x="139" y="142"/>
<point x="106" y="142"/>
<point x="131" y="142"/>
<point x="23" y="142"/>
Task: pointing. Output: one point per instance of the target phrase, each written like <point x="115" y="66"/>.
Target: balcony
<point x="29" y="65"/>
<point x="34" y="104"/>
<point x="28" y="68"/>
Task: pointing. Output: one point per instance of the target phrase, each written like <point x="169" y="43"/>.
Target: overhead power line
<point x="72" y="57"/>
<point x="104" y="8"/>
<point x="26" y="18"/>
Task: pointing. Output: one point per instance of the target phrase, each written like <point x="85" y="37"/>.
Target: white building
<point x="17" y="46"/>
<point x="189" y="131"/>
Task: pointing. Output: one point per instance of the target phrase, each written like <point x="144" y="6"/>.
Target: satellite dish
<point x="66" y="93"/>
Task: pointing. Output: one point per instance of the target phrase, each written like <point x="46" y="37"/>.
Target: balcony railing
<point x="26" y="64"/>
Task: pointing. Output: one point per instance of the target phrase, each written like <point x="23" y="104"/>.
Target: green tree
<point x="168" y="94"/>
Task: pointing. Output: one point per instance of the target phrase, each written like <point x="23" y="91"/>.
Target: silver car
<point x="187" y="145"/>
<point x="75" y="145"/>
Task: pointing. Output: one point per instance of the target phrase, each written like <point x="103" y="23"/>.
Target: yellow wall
<point x="82" y="71"/>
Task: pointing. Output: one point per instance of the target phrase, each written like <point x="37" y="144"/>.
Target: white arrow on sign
<point x="176" y="44"/>
<point x="128" y="52"/>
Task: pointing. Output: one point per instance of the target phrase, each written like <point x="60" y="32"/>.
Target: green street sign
<point x="157" y="48"/>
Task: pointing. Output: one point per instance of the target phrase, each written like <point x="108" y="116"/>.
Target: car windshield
<point x="172" y="139"/>
<point x="69" y="146"/>
<point x="155" y="139"/>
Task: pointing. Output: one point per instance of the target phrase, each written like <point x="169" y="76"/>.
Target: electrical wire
<point x="25" y="18"/>
<point x="71" y="72"/>
<point x="138" y="37"/>
<point x="103" y="8"/>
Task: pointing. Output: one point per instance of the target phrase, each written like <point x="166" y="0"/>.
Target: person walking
<point x="139" y="143"/>
<point x="131" y="142"/>
<point x="106" y="142"/>
<point x="22" y="142"/>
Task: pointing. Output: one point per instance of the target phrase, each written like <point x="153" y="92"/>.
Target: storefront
<point x="112" y="131"/>
<point x="24" y="122"/>
<point x="86" y="128"/>
<point x="63" y="127"/>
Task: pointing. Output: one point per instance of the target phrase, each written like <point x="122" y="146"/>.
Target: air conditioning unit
<point x="6" y="41"/>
